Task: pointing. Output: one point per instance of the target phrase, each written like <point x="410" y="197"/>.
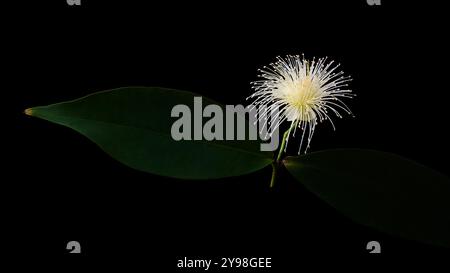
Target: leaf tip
<point x="28" y="111"/>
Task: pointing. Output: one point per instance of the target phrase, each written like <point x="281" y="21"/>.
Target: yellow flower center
<point x="302" y="95"/>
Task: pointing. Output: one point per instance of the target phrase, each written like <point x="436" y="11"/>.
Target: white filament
<point x="305" y="93"/>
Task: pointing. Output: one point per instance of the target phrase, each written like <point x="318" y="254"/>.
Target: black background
<point x="64" y="188"/>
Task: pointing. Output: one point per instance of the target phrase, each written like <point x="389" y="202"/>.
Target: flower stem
<point x="276" y="163"/>
<point x="274" y="174"/>
<point x="283" y="145"/>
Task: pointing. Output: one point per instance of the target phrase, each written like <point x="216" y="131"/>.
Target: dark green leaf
<point x="378" y="189"/>
<point x="133" y="125"/>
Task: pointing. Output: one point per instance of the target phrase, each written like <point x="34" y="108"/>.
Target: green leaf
<point x="381" y="190"/>
<point x="133" y="125"/>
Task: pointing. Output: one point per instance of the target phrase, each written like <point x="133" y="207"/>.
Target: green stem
<point x="276" y="163"/>
<point x="274" y="174"/>
<point x="283" y="144"/>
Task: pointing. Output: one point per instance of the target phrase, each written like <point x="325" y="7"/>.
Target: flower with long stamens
<point x="304" y="93"/>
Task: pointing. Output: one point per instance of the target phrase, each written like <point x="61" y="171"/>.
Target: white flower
<point x="304" y="92"/>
